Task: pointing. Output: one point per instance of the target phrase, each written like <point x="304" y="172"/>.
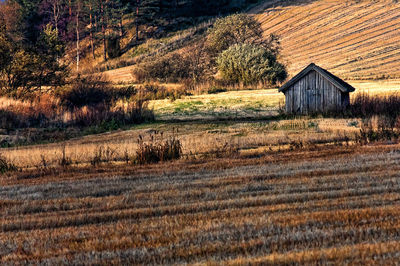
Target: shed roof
<point x="341" y="84"/>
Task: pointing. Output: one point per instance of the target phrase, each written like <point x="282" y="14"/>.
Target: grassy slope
<point x="353" y="39"/>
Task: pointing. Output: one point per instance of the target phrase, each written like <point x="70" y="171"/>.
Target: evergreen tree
<point x="29" y="20"/>
<point x="27" y="70"/>
<point x="5" y="46"/>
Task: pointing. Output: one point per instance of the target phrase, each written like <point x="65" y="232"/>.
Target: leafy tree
<point x="103" y="22"/>
<point x="233" y="29"/>
<point x="115" y="15"/>
<point x="169" y="68"/>
<point x="9" y="18"/>
<point x="250" y="64"/>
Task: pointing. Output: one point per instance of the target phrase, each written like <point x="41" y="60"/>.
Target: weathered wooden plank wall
<point x="314" y="93"/>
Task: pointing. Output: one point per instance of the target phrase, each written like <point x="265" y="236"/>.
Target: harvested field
<point x="353" y="39"/>
<point x="334" y="205"/>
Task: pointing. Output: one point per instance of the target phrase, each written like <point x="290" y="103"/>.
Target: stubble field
<point x="352" y="39"/>
<point x="335" y="204"/>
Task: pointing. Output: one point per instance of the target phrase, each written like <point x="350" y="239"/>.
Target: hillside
<point x="353" y="39"/>
<point x="357" y="40"/>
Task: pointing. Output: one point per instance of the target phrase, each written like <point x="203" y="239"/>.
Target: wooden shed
<point x="316" y="90"/>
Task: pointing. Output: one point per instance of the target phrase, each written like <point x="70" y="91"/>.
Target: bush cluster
<point x="158" y="151"/>
<point x="250" y="64"/>
<point x="86" y="91"/>
<point x="366" y="105"/>
<point x="134" y="112"/>
<point x="169" y="68"/>
<point x="379" y="128"/>
<point x="231" y="30"/>
<point x="154" y="91"/>
<point x="91" y="101"/>
<point x="215" y="90"/>
<point x="234" y="44"/>
<point x="40" y="113"/>
<point x="381" y="117"/>
<point x="6" y="166"/>
<point x="88" y="101"/>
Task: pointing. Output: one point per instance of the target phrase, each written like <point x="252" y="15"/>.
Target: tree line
<point x="103" y="19"/>
<point x="34" y="34"/>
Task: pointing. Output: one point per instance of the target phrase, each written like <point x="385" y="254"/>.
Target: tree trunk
<point x="96" y="23"/>
<point x="77" y="35"/>
<point x="121" y="28"/>
<point x="91" y="30"/>
<point x="103" y="29"/>
<point x="137" y="20"/>
<point x="56" y="12"/>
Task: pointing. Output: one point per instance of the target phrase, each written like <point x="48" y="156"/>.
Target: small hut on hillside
<point x="315" y="90"/>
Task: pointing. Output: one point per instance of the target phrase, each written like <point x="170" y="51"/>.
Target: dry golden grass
<point x="376" y="87"/>
<point x="199" y="139"/>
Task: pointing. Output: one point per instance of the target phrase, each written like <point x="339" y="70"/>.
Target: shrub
<point x="15" y="117"/>
<point x="6" y="166"/>
<point x="223" y="150"/>
<point x="156" y="151"/>
<point x="64" y="161"/>
<point x="379" y="128"/>
<point x="91" y="99"/>
<point x="170" y="68"/>
<point x="105" y="119"/>
<point x="250" y="64"/>
<point x="153" y="91"/>
<point x="86" y="91"/>
<point x="124" y="93"/>
<point x="365" y="105"/>
<point x="113" y="47"/>
<point x="215" y="90"/>
<point x="97" y="157"/>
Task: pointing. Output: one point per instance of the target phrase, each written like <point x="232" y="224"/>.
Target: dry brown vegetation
<point x="332" y="205"/>
<point x="198" y="139"/>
